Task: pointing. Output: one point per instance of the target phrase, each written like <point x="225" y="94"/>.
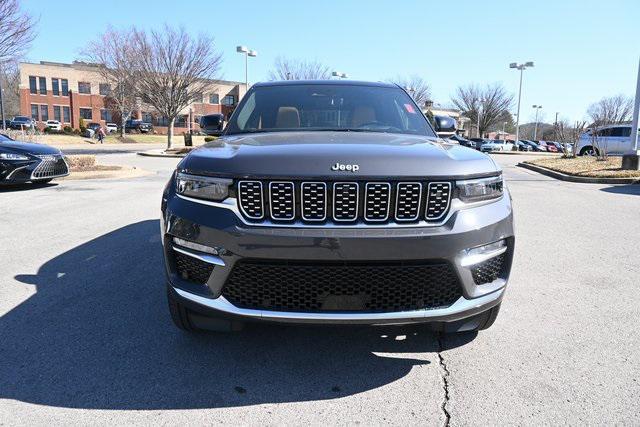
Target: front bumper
<point x="33" y="170"/>
<point x="221" y="228"/>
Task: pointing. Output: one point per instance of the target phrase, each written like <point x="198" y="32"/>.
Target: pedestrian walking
<point x="100" y="135"/>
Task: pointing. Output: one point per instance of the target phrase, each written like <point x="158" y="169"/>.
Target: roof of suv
<point x="325" y="82"/>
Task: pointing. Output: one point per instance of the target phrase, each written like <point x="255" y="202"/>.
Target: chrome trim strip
<point x="231" y="204"/>
<point x="293" y="191"/>
<point x="461" y="306"/>
<point x="419" y="201"/>
<point x="357" y="201"/>
<point x="240" y="200"/>
<point x="209" y="259"/>
<point x="302" y="203"/>
<point x="366" y="199"/>
<point x="16" y="170"/>
<point x="426" y="208"/>
<point x="469" y="260"/>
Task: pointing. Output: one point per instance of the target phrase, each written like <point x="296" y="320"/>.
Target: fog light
<point x="482" y="253"/>
<point x="196" y="246"/>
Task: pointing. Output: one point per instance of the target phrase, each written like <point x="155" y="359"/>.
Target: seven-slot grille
<point x="344" y="202"/>
<point x="314" y="201"/>
<point x="377" y="199"/>
<point x="250" y="198"/>
<point x="408" y="198"/>
<point x="439" y="194"/>
<point x="282" y="200"/>
<point x="50" y="167"/>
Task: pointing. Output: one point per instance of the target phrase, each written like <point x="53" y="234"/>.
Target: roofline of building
<point x="86" y="65"/>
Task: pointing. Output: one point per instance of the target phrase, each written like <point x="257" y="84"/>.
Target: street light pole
<point x="535" y="129"/>
<point x="520" y="67"/>
<point x="247" y="53"/>
<point x="631" y="160"/>
<point x="4" y="124"/>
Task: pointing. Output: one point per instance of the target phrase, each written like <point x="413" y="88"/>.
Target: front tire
<point x="588" y="151"/>
<point x="179" y="313"/>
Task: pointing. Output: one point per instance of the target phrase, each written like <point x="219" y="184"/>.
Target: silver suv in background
<point x="614" y="139"/>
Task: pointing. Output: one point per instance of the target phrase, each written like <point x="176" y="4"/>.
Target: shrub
<point x="210" y="138"/>
<point x="67" y="130"/>
<point x="77" y="131"/>
<point x="82" y="125"/>
<point x="80" y="162"/>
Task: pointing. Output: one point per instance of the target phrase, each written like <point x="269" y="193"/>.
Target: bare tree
<point x="568" y="135"/>
<point x="114" y="55"/>
<point x="296" y="69"/>
<point x="483" y="105"/>
<point x="416" y="86"/>
<point x="173" y="70"/>
<point x="17" y="30"/>
<point x="611" y="110"/>
<point x="9" y="81"/>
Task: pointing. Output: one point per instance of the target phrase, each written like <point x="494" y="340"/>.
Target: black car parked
<point x="212" y="124"/>
<point x="462" y="141"/>
<point x="137" y="126"/>
<point x="22" y="162"/>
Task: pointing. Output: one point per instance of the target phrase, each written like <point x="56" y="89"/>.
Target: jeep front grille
<point x="439" y="194"/>
<point x="344" y="202"/>
<point x="50" y="166"/>
<point x="341" y="287"/>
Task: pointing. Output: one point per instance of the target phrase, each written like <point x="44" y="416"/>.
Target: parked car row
<point x="492" y="145"/>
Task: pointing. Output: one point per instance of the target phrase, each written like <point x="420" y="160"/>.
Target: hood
<point x="27" y="147"/>
<point x="315" y="154"/>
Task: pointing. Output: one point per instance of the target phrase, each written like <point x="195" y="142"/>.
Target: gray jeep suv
<point x="335" y="202"/>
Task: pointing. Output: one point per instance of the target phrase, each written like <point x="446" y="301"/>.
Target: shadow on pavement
<point x="633" y="189"/>
<point x="97" y="334"/>
<point x="12" y="188"/>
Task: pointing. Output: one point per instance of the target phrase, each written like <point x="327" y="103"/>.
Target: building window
<point x="34" y="112"/>
<point x="86" y="113"/>
<point x="44" y="113"/>
<point x="229" y="100"/>
<point x="55" y="87"/>
<point x="198" y="97"/>
<point x="43" y="85"/>
<point x="105" y="89"/>
<point x="214" y="98"/>
<point x="84" y="87"/>
<point x="32" y="85"/>
<point x="105" y="115"/>
<point x="65" y="87"/>
<point x="66" y="113"/>
<point x="56" y="113"/>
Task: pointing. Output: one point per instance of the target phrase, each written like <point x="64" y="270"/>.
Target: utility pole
<point x="4" y="125"/>
<point x="555" y="128"/>
<point x="631" y="160"/>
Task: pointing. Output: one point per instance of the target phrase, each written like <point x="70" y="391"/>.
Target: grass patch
<point x="586" y="166"/>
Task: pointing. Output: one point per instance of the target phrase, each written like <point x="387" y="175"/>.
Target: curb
<point x="159" y="153"/>
<point x="524" y="153"/>
<point x="582" y="179"/>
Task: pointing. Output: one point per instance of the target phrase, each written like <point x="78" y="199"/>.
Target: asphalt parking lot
<point x="85" y="334"/>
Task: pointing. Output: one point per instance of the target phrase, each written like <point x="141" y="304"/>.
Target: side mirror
<point x="445" y="126"/>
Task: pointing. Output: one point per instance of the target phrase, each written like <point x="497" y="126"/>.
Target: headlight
<point x="12" y="156"/>
<point x="203" y="187"/>
<point x="475" y="190"/>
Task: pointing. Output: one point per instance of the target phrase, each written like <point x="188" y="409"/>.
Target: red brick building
<point x="68" y="92"/>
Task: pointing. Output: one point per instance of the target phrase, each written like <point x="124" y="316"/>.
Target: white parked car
<point x="112" y="127"/>
<point x="53" y="124"/>
<point x="496" y="145"/>
<point x="615" y="139"/>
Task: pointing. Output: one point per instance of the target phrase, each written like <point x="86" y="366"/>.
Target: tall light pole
<point x="535" y="129"/>
<point x="340" y="75"/>
<point x="480" y="107"/>
<point x="520" y="67"/>
<point x="4" y="124"/>
<point x="504" y="125"/>
<point x="631" y="160"/>
<point x="247" y="53"/>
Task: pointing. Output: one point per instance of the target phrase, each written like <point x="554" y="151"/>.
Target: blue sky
<point x="583" y="50"/>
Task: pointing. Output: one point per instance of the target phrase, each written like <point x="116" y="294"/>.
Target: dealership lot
<point x="86" y="336"/>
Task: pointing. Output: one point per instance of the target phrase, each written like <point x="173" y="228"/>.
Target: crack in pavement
<point x="445" y="381"/>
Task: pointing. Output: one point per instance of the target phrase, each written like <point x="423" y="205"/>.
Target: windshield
<point x="327" y="107"/>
